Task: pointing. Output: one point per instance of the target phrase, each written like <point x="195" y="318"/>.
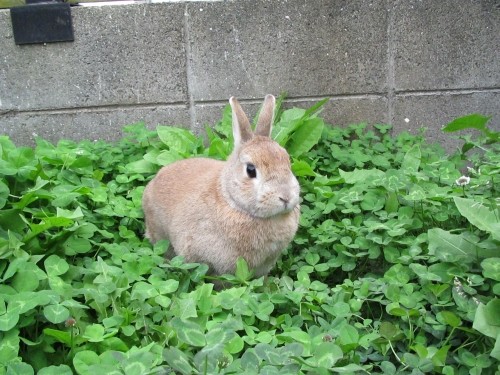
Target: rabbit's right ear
<point x="266" y="117"/>
<point x="242" y="132"/>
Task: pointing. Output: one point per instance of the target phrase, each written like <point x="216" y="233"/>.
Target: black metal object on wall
<point x="42" y="22"/>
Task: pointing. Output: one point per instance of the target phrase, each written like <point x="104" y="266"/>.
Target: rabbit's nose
<point x="285" y="201"/>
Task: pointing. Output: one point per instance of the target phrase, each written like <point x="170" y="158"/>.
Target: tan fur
<point x="213" y="212"/>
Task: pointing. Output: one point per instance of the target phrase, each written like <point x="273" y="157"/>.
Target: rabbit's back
<point x="174" y="192"/>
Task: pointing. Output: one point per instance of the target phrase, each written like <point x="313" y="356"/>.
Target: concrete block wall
<point x="410" y="63"/>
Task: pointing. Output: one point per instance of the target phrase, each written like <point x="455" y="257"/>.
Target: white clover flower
<point x="458" y="287"/>
<point x="462" y="181"/>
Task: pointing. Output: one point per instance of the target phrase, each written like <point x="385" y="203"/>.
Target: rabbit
<point x="215" y="211"/>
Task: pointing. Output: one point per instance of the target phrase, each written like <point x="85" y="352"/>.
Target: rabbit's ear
<point x="266" y="117"/>
<point x="242" y="132"/>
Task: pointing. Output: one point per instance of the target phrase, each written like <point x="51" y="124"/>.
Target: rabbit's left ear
<point x="266" y="117"/>
<point x="242" y="132"/>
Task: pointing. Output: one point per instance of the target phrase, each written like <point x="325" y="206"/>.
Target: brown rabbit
<point x="214" y="212"/>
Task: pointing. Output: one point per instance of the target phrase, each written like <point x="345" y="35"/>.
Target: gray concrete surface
<point x="92" y="124"/>
<point x="446" y="44"/>
<point x="408" y="62"/>
<point x="413" y="112"/>
<point x="305" y="48"/>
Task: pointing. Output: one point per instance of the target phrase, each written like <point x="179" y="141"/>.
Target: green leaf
<point x="312" y="258"/>
<point x="472" y="121"/>
<point x="165" y="286"/>
<point x="84" y="360"/>
<point x="76" y="245"/>
<point x="185" y="307"/>
<point x="411" y="160"/>
<point x="423" y="272"/>
<point x="349" y="336"/>
<point x="290" y="120"/>
<point x="492" y="312"/>
<point x="327" y="354"/>
<point x="449" y="318"/>
<point x="495" y="352"/>
<point x="264" y="311"/>
<point x="12" y="221"/>
<point x="142" y="291"/>
<point x="56" y="313"/>
<point x="496" y="289"/>
<point x="482" y="325"/>
<point x="55" y="266"/>
<point x="23" y="302"/>
<point x="242" y="273"/>
<point x="361" y="175"/>
<point x="76" y="214"/>
<point x="55" y="370"/>
<point x="141" y="166"/>
<point x="218" y="335"/>
<point x="394" y="309"/>
<point x="389" y="330"/>
<point x="391" y="202"/>
<point x="296" y="335"/>
<point x="235" y="345"/>
<point x="305" y="137"/>
<point x="19" y="368"/>
<point x="351" y="368"/>
<point x="451" y="247"/>
<point x="26" y="280"/>
<point x="178" y="139"/>
<point x="250" y="361"/>
<point x="135" y="368"/>
<point x="491" y="268"/>
<point x="189" y="332"/>
<point x="46" y="224"/>
<point x="416" y="193"/>
<point x="439" y="358"/>
<point x="9" y="346"/>
<point x="8" y="320"/>
<point x="480" y="216"/>
<point x="94" y="333"/>
<point x="300" y="168"/>
<point x="4" y="194"/>
<point x="387" y="368"/>
<point x="398" y="275"/>
<point x="421" y="350"/>
<point x="178" y="360"/>
<point x="167" y="157"/>
<point x="61" y="336"/>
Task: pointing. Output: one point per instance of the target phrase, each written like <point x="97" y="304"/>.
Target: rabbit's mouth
<point x="281" y="208"/>
<point x="289" y="204"/>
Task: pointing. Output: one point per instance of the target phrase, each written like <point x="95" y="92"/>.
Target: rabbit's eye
<point x="251" y="170"/>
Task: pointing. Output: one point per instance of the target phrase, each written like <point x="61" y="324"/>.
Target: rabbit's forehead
<point x="264" y="153"/>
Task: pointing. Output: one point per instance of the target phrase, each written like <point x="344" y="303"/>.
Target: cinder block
<point x="306" y="48"/>
<point x="350" y="110"/>
<point x="105" y="124"/>
<point x="338" y="111"/>
<point x="446" y="44"/>
<point x="209" y="114"/>
<point x="434" y="111"/>
<point x="130" y="54"/>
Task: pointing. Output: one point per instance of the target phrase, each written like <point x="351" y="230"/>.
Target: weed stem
<point x="395" y="354"/>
